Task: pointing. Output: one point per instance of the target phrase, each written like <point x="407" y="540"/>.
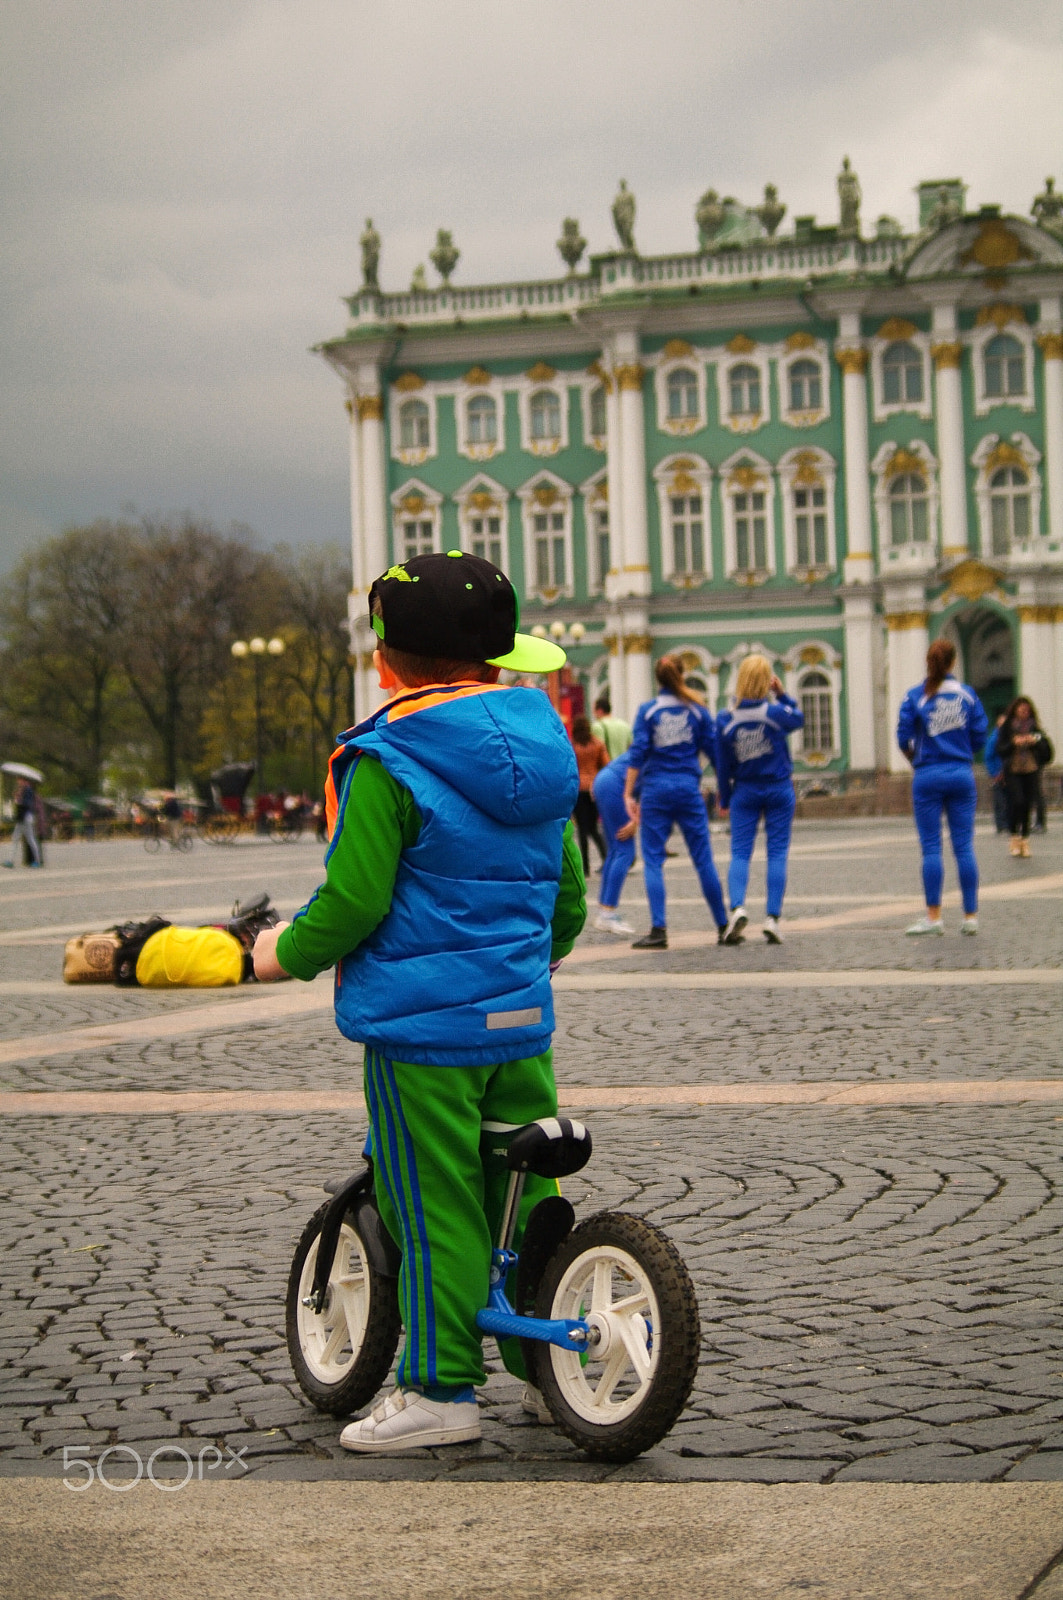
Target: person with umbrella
<point x="25" y="829"/>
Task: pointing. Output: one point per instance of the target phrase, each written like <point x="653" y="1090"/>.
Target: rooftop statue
<point x="708" y="214"/>
<point x="445" y="255"/>
<point x="419" y="283"/>
<point x="571" y="243"/>
<point x="771" y="210"/>
<point x="849" y="197"/>
<point x="370" y="243"/>
<point x="1047" y="209"/>
<point x="624" y="218"/>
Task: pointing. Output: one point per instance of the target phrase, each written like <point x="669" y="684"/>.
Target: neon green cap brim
<point x="531" y="655"/>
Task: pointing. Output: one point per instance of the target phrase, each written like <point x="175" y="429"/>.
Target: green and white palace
<point x="831" y="444"/>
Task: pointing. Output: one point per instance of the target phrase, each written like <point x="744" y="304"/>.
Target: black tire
<point x="153" y="842"/>
<point x="638" y="1407"/>
<point x="348" y="1377"/>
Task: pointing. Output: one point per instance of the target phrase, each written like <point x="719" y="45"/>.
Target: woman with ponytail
<point x="670" y="732"/>
<point x="941" y="728"/>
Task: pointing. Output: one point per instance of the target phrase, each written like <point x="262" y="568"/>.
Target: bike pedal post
<point x="508" y="1225"/>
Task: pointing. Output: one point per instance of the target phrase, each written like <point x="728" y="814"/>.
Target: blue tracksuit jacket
<point x="950" y="725"/>
<point x="751" y="742"/>
<point x="667" y="737"/>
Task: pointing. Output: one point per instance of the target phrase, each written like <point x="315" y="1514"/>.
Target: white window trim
<point x="680" y="427"/>
<point x="431" y="506"/>
<point x="818" y="353"/>
<point x="981" y="459"/>
<point x="674" y="476"/>
<point x="462" y="396"/>
<point x="911" y="556"/>
<point x="796" y="662"/>
<point x="530" y="504"/>
<point x="730" y="486"/>
<point x="882" y="410"/>
<point x="544" y="449"/>
<point x="594" y="441"/>
<point x="758" y="357"/>
<point x="595" y="492"/>
<point x="498" y="506"/>
<point x="977" y="340"/>
<point x="796" y="464"/>
<point x="415" y="456"/>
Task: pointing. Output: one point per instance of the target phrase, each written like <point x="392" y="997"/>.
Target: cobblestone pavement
<point x="880" y="1287"/>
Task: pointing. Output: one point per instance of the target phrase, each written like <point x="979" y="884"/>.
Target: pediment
<point x="977" y="246"/>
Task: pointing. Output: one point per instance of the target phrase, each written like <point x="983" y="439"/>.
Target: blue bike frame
<point x="499" y="1318"/>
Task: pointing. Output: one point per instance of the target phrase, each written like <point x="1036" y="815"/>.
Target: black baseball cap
<point x="457" y="607"/>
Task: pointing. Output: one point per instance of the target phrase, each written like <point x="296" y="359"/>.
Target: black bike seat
<point x="552" y="1147"/>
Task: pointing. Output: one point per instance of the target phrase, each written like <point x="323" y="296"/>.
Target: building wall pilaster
<point x="1051" y="342"/>
<point x="851" y="356"/>
<point x="859" y="625"/>
<point x="907" y="624"/>
<point x="947" y="352"/>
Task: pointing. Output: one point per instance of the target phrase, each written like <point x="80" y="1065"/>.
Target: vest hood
<point x="505" y="750"/>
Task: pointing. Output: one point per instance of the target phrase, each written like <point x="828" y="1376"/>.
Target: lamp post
<point x="256" y="648"/>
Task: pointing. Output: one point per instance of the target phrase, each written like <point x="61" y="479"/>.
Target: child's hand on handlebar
<point x="267" y="968"/>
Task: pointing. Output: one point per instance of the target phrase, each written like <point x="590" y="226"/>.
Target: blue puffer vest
<point x="457" y="974"/>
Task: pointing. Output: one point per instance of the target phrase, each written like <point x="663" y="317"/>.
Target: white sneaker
<point x="533" y="1403"/>
<point x="924" y="925"/>
<point x="612" y="922"/>
<point x="732" y="934"/>
<point x="771" y="930"/>
<point x="969" y="926"/>
<point x="408" y="1420"/>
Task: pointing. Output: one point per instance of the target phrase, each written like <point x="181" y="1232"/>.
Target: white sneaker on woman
<point x="969" y="925"/>
<point x="408" y="1420"/>
<point x="612" y="922"/>
<point x="771" y="930"/>
<point x="925" y="925"/>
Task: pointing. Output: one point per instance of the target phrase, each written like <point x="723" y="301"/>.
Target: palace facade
<point x="828" y="446"/>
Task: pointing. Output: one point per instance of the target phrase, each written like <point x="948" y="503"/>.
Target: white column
<point x="637" y="647"/>
<point x="628" y="375"/>
<point x="1039" y="665"/>
<point x="614" y="643"/>
<point x="947" y="352"/>
<point x="905" y="666"/>
<point x="852" y="358"/>
<point x="859" y="624"/>
<point x="614" y="474"/>
<point x="374" y="540"/>
<point x="356" y="600"/>
<point x="1051" y="343"/>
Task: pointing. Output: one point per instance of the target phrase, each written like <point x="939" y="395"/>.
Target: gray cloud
<point x="185" y="187"/>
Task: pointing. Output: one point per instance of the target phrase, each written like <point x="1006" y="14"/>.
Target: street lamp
<point x="257" y="648"/>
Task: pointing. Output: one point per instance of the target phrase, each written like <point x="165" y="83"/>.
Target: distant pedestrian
<point x="670" y="732"/>
<point x="1024" y="748"/>
<point x="753" y="769"/>
<point x="941" y="728"/>
<point x="619" y="831"/>
<point x="591" y="758"/>
<point x="994" y="768"/>
<point x="614" y="732"/>
<point x="25" y="829"/>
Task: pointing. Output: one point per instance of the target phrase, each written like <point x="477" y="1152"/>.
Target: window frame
<point x="746" y="472"/>
<point x="683" y="475"/>
<point x="816" y="656"/>
<point x="529" y="388"/>
<point x="679" y="356"/>
<point x="808" y="416"/>
<point x="797" y="470"/>
<point x="744" y="422"/>
<point x="914" y="457"/>
<point x="978" y="341"/>
<point x="595" y="493"/>
<point x="887" y="336"/>
<point x="412" y="455"/>
<point x="533" y="503"/>
<point x="483" y="497"/>
<point x="474" y="450"/>
<point x="990" y="455"/>
<point x="429" y="510"/>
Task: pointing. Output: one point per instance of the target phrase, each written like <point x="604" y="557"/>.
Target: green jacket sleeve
<point x="570" y="911"/>
<point x="379" y="820"/>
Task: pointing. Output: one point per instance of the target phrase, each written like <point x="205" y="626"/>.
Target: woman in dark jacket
<point x="1024" y="748"/>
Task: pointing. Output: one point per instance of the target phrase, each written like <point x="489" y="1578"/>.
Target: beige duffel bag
<point x="91" y="958"/>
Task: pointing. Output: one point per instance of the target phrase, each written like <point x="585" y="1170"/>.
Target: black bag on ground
<point x="133" y="936"/>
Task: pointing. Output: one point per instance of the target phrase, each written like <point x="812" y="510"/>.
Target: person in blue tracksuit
<point x="670" y="733"/>
<point x="619" y="832"/>
<point x="753" y="769"/>
<point x="941" y="728"/>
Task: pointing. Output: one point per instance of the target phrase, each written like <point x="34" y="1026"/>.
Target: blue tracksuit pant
<point x="612" y="814"/>
<point x="774" y="800"/>
<point x="662" y="803"/>
<point x="946" y="786"/>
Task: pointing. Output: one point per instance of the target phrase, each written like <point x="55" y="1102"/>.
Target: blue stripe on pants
<point x="612" y="813"/>
<point x="774" y="800"/>
<point x="663" y="803"/>
<point x="947" y="786"/>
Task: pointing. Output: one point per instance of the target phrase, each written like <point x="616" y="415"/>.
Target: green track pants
<point x="440" y="1191"/>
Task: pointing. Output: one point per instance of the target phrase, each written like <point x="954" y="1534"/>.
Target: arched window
<point x="814" y="697"/>
<point x="598" y="423"/>
<point x="902" y="373"/>
<point x="1009" y="504"/>
<point x="482" y="416"/>
<point x="545" y="410"/>
<point x="810" y="526"/>
<point x="751" y="531"/>
<point x="909" y="516"/>
<point x="682" y="394"/>
<point x="1004" y="367"/>
<point x="413" y="425"/>
<point x="806" y="386"/>
<point x="744" y="382"/>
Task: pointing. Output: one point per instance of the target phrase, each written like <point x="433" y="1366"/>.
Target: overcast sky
<point x="183" y="186"/>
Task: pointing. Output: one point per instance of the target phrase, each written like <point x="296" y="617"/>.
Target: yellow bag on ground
<point x="190" y="958"/>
